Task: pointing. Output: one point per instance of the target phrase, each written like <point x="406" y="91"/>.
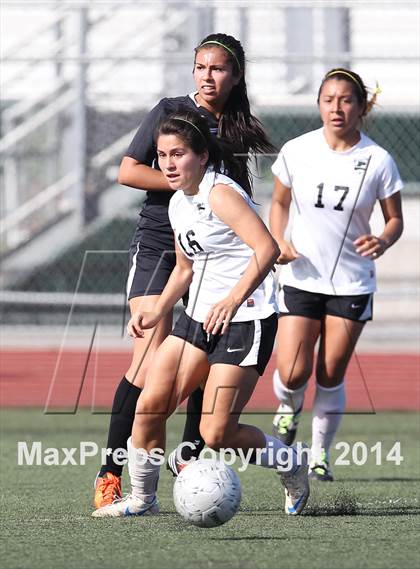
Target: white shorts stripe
<point x="367" y="313"/>
<point x="132" y="272"/>
<point x="251" y="359"/>
<point x="282" y="305"/>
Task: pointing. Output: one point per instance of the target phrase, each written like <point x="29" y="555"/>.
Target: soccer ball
<point x="207" y="493"/>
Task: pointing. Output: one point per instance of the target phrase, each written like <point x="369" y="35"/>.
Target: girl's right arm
<point x="136" y="168"/>
<point x="141" y="176"/>
<point x="175" y="288"/>
<point x="279" y="217"/>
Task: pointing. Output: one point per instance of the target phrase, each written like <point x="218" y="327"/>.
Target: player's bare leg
<point x="227" y="391"/>
<point x="338" y="340"/>
<point x="145" y="348"/>
<point x="108" y="482"/>
<point x="178" y="370"/>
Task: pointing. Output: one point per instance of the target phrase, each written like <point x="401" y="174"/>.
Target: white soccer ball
<point x="207" y="493"/>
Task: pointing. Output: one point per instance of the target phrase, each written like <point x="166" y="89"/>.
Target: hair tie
<point x="338" y="71"/>
<point x="232" y="53"/>
<point x="191" y="124"/>
<point x="372" y="100"/>
<point x="377" y="90"/>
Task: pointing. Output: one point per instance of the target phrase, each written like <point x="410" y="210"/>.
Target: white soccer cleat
<point x="174" y="465"/>
<point x="296" y="486"/>
<point x="127" y="506"/>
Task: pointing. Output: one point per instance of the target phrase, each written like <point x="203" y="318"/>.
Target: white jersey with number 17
<point x="334" y="194"/>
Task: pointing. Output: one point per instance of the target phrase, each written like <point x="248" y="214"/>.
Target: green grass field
<point x="367" y="518"/>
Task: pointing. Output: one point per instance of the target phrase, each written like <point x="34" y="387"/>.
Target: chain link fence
<point x="78" y="84"/>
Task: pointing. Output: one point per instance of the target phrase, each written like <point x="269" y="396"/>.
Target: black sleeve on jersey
<point x="142" y="147"/>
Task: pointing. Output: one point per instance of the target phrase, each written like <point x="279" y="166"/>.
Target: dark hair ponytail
<point x="237" y="125"/>
<point x="193" y="129"/>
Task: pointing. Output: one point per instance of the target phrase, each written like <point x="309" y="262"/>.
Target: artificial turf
<point x="367" y="518"/>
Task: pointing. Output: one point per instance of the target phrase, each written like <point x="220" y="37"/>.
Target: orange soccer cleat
<point x="107" y="489"/>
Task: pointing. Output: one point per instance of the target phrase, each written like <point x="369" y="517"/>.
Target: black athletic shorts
<point x="243" y="344"/>
<point x="297" y="302"/>
<point x="151" y="256"/>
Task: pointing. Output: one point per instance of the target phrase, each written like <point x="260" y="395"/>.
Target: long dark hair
<point x="237" y="125"/>
<point x="193" y="129"/>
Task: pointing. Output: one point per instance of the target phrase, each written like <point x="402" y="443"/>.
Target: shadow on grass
<point x="316" y="511"/>
<point x="248" y="538"/>
<point x="380" y="479"/>
<point x="344" y="504"/>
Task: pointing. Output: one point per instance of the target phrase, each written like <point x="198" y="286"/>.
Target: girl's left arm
<point x="372" y="246"/>
<point x="232" y="209"/>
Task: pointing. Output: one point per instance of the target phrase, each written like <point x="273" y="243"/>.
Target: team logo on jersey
<point x="361" y="164"/>
<point x="250" y="303"/>
<point x="201" y="210"/>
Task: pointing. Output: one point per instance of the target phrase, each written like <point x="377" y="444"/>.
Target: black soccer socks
<point x="121" y="424"/>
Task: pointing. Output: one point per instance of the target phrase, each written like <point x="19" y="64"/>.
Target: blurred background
<point x="78" y="77"/>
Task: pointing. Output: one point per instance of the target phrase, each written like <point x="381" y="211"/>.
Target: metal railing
<point x="107" y="61"/>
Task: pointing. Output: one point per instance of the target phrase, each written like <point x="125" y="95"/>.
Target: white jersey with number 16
<point x="219" y="256"/>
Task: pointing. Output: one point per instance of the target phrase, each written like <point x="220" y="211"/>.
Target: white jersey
<point x="334" y="194"/>
<point x="219" y="256"/>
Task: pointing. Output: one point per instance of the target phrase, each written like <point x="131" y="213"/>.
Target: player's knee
<point x="297" y="376"/>
<point x="329" y="374"/>
<point x="150" y="410"/>
<point x="143" y="421"/>
<point x="215" y="437"/>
